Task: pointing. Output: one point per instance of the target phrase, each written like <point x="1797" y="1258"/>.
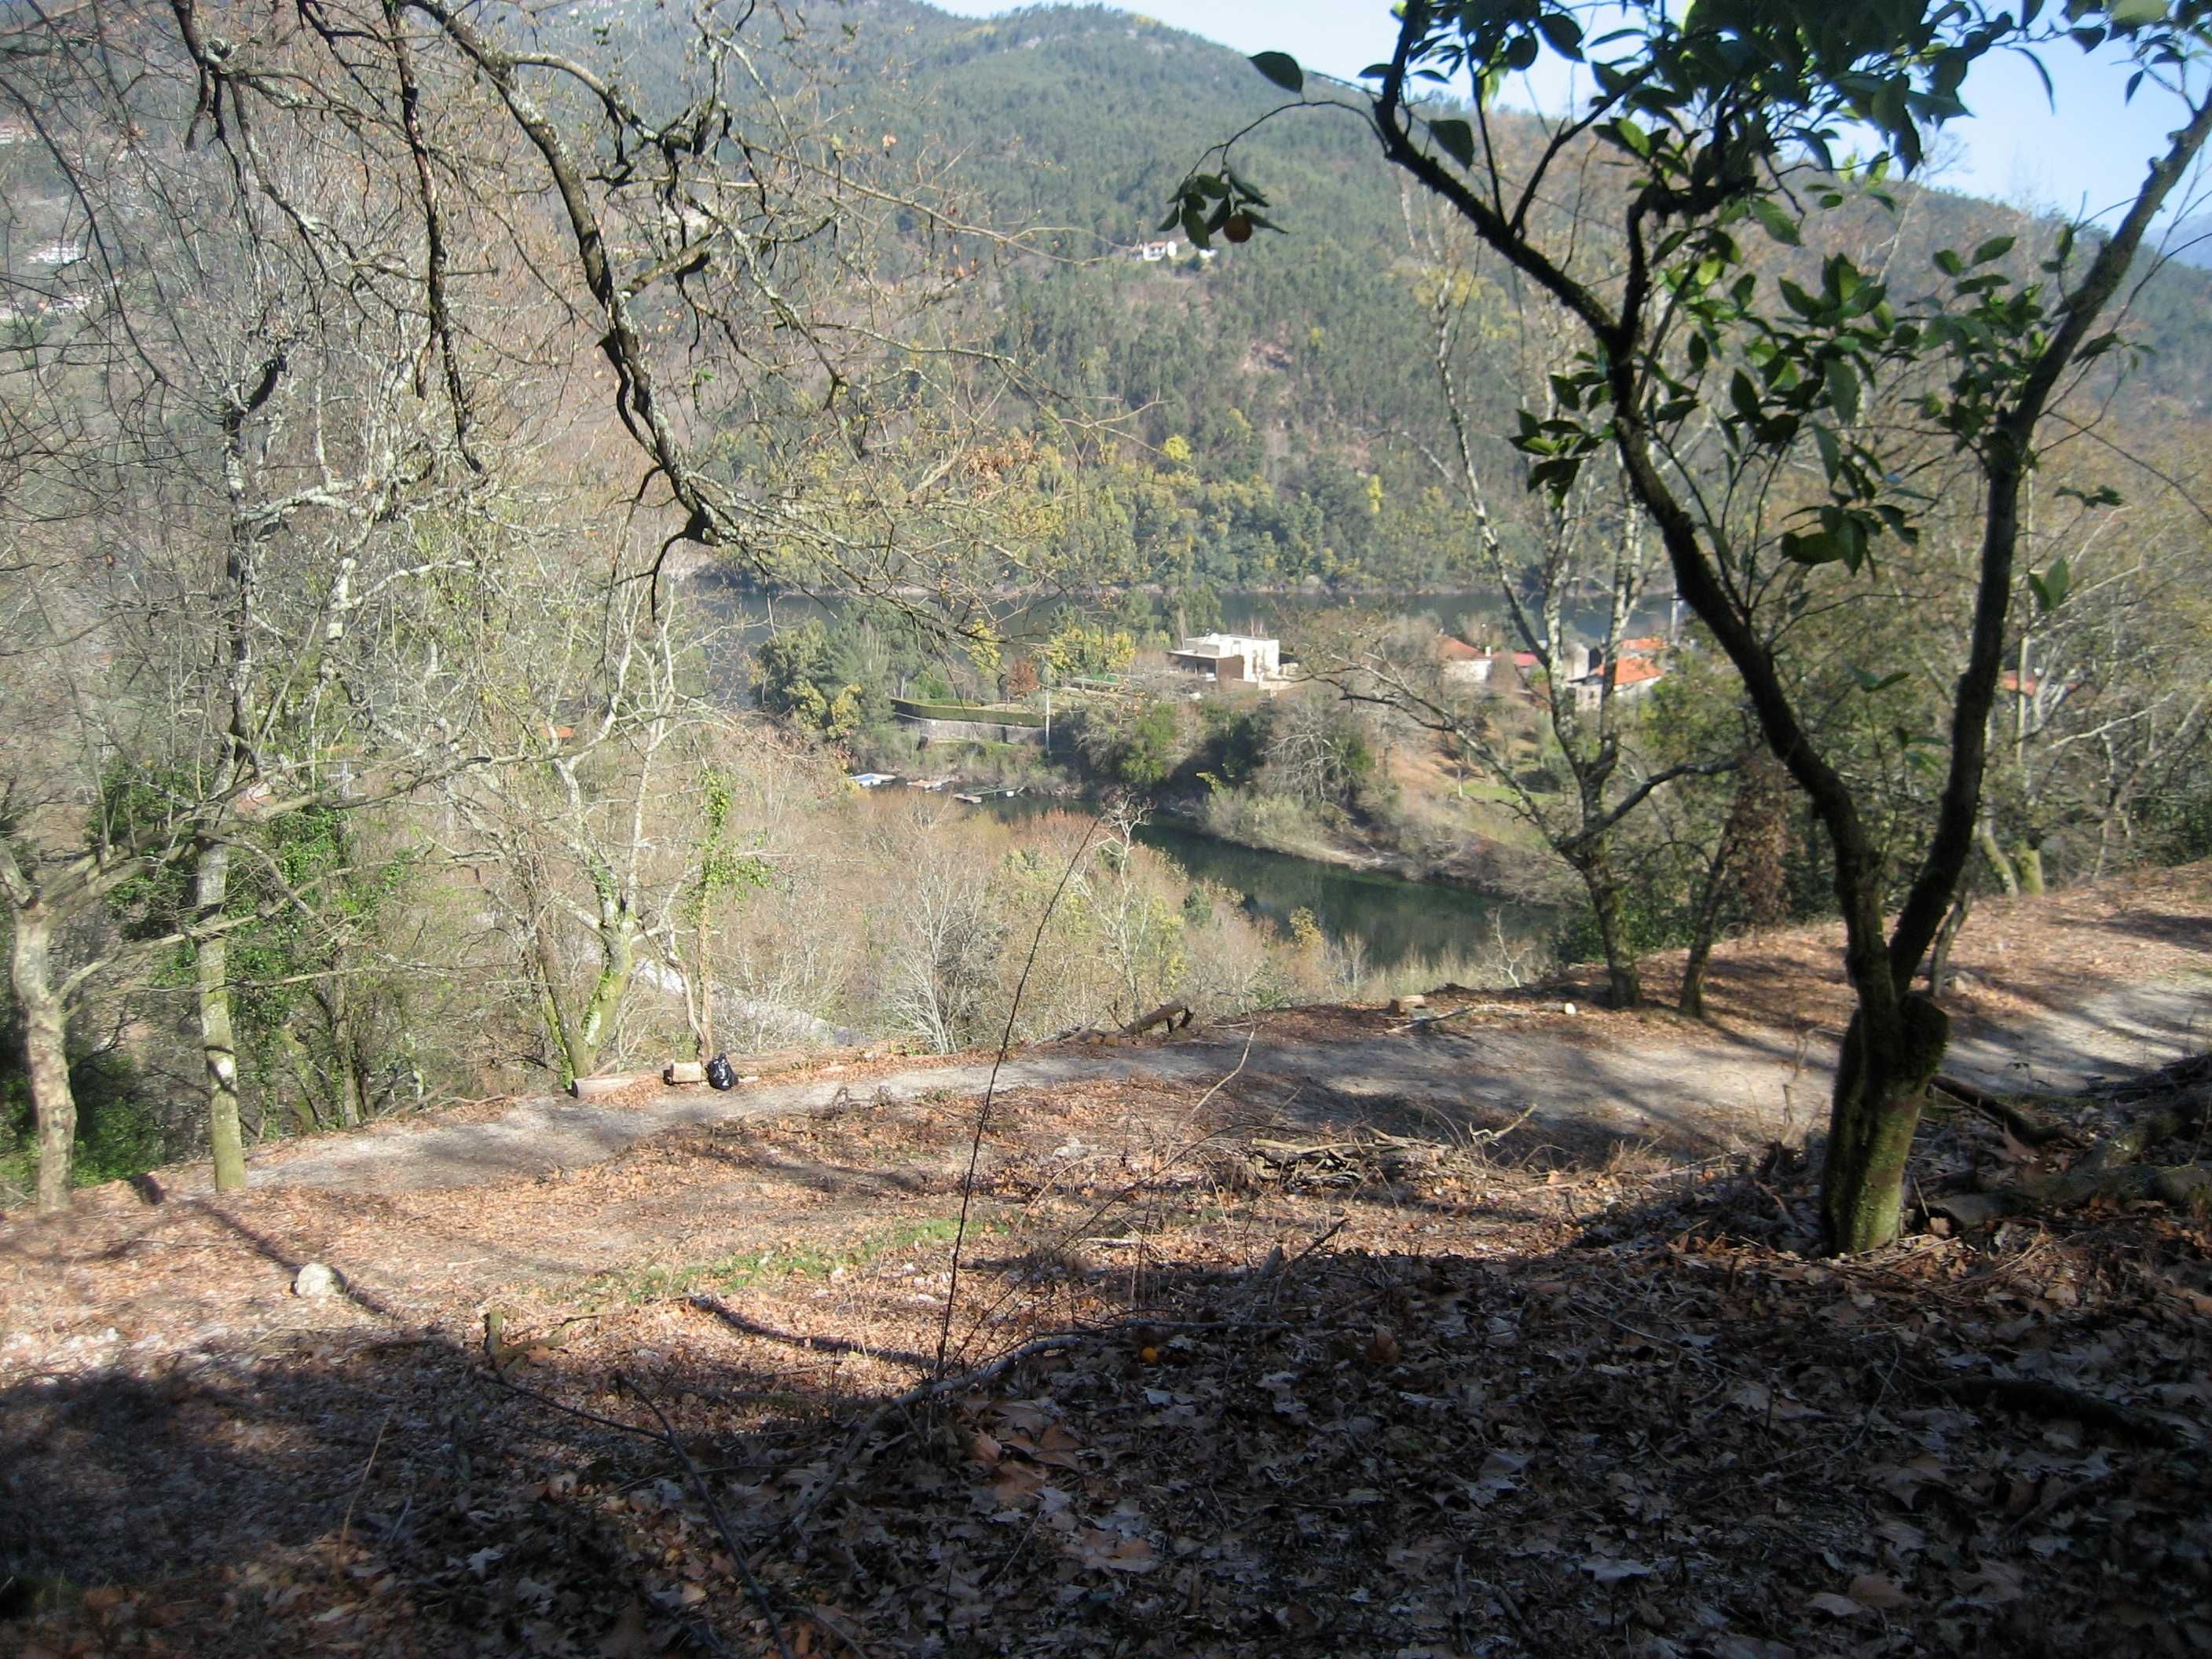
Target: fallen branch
<point x="2184" y="1116"/>
<point x="2034" y="1398"/>
<point x="2184" y="1185"/>
<point x="1426" y="1021"/>
<point x="2024" y="1125"/>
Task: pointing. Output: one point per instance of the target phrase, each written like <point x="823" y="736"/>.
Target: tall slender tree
<point x="1704" y="382"/>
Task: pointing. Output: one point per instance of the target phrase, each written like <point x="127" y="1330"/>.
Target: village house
<point x="1230" y="658"/>
<point x="1464" y="664"/>
<point x="1632" y="680"/>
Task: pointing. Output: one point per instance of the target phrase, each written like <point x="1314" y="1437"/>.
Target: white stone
<point x="1566" y="1007"/>
<point x="315" y="1279"/>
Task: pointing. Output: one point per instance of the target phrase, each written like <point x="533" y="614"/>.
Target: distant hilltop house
<point x="56" y="254"/>
<point x="1229" y="659"/>
<point x="1154" y="252"/>
<point x="13" y="132"/>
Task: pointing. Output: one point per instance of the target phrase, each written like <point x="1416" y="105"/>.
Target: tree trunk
<point x="1692" y="1002"/>
<point x="45" y="1052"/>
<point x="218" y="1041"/>
<point x="1880" y="1090"/>
<point x="617" y="965"/>
<point x="2000" y="866"/>
<point x="345" y="1049"/>
<point x="1938" y="955"/>
<point x="2029" y="861"/>
<point x="1624" y="985"/>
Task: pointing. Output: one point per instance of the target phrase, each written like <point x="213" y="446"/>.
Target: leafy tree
<point x="1717" y="393"/>
<point x="799" y="674"/>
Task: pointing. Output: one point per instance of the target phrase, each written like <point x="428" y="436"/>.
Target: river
<point x="1394" y="922"/>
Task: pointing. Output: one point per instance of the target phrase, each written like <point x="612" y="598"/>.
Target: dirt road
<point x="1649" y="1078"/>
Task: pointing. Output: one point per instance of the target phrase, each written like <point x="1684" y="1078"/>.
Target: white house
<point x="1227" y="658"/>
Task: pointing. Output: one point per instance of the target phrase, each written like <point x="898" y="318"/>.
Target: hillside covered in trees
<point x="1269" y="413"/>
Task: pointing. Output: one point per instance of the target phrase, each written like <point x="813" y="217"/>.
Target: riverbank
<point x="1472" y="868"/>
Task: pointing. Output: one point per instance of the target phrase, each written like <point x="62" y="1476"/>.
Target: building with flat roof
<point x="1225" y="658"/>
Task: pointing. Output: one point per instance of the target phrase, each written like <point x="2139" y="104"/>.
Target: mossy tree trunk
<point x="45" y="1051"/>
<point x="218" y="1029"/>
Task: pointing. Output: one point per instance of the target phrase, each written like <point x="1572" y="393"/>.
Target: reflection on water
<point x="1393" y="922"/>
<point x="1397" y="921"/>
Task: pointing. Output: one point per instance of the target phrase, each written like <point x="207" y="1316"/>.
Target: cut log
<point x="1407" y="1004"/>
<point x="683" y="1071"/>
<point x="1173" y="1015"/>
<point x="591" y="1088"/>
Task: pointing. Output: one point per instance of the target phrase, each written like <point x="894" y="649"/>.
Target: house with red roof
<point x="1633" y="677"/>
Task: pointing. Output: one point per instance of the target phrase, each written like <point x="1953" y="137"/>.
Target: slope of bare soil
<point x="1342" y="1340"/>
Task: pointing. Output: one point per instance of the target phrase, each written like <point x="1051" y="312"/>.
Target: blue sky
<point x="2084" y="159"/>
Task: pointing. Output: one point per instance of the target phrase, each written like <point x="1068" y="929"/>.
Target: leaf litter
<point x="1422" y="1394"/>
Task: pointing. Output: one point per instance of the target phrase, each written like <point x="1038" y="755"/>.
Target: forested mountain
<point x="1272" y="401"/>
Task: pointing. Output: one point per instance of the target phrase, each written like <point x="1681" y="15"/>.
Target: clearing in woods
<point x="1333" y="1337"/>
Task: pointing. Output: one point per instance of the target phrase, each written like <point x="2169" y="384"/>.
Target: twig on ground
<point x="991" y="1090"/>
<point x="346" y="1525"/>
<point x="668" y="1438"/>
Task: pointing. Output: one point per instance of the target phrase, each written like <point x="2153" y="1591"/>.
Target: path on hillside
<point x="1686" y="1089"/>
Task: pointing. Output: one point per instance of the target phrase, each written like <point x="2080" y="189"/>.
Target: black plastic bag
<point x="721" y="1073"/>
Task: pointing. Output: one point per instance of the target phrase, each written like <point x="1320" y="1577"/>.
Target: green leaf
<point x="1831" y="453"/>
<point x="1457" y="139"/>
<point x="1779" y="225"/>
<point x="1630" y="137"/>
<point x="1814" y="547"/>
<point x="1843" y="384"/>
<point x="1565" y="34"/>
<point x="1949" y="263"/>
<point x="1522" y="52"/>
<point x="1996" y="248"/>
<point x="1280" y="68"/>
<point x="2138" y="14"/>
<point x="2051" y="587"/>
<point x="1870" y="684"/>
<point x="1744" y="395"/>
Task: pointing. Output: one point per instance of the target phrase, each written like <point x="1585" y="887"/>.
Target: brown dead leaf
<point x="1871" y="1589"/>
<point x="1110" y="1553"/>
<point x="1992" y="1584"/>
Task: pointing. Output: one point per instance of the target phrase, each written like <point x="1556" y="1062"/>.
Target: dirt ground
<point x="1302" y="1334"/>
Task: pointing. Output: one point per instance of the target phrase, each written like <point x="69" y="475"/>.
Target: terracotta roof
<point x="1634" y="671"/>
<point x="1648" y="644"/>
<point x="1452" y="650"/>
